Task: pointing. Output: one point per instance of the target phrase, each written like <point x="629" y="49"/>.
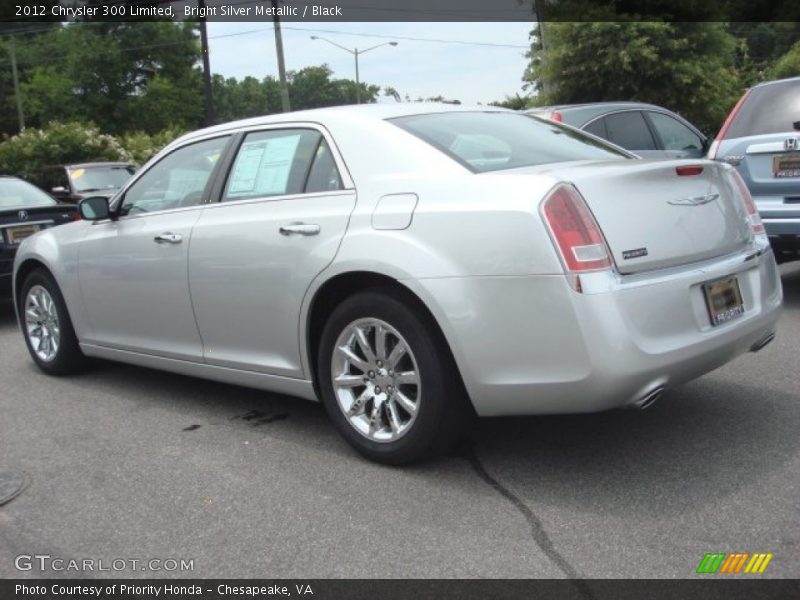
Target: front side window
<point x="278" y="162"/>
<point x="675" y="135"/>
<point x="493" y="141"/>
<point x="176" y="181"/>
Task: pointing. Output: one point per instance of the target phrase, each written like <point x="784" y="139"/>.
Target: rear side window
<point x="629" y="130"/>
<point x="279" y="162"/>
<point x="493" y="141"/>
<point x="598" y="128"/>
<point x="770" y="108"/>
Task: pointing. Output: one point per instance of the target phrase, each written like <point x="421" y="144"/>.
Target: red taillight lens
<point x="756" y="226"/>
<point x="689" y="170"/>
<point x="574" y="230"/>
<point x="556" y="116"/>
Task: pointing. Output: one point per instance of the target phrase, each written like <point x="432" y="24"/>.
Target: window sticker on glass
<point x="262" y="167"/>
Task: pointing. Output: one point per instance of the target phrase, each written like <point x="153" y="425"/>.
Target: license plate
<point x="724" y="300"/>
<point x="16" y="234"/>
<point x="786" y="165"/>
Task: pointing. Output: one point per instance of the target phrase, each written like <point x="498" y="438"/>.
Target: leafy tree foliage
<point x="123" y="76"/>
<point x="787" y="66"/>
<point x="57" y="143"/>
<point x="687" y="67"/>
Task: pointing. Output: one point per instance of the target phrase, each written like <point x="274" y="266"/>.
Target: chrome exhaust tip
<point x="763" y="342"/>
<point x="648" y="399"/>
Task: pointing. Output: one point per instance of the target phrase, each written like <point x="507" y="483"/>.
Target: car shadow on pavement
<point x="790" y="277"/>
<point x="702" y="441"/>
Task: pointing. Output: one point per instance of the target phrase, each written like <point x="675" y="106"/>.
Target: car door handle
<point x="169" y="238"/>
<point x="299" y="229"/>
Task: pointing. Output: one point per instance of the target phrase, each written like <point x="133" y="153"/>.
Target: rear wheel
<point x="387" y="383"/>
<point x="48" y="331"/>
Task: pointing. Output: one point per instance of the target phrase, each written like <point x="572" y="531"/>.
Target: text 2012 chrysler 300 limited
<point x="407" y="265"/>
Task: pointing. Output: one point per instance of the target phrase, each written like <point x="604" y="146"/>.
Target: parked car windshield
<point x="772" y="108"/>
<point x="15" y="193"/>
<point x="92" y="179"/>
<point x="493" y="141"/>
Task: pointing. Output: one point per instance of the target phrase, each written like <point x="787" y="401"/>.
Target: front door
<point x="133" y="270"/>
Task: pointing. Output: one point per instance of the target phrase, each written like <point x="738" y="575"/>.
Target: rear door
<point x="282" y="213"/>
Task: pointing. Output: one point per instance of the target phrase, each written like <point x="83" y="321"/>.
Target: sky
<point x="468" y="72"/>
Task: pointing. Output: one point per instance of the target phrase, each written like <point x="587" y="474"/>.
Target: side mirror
<point x="94" y="208"/>
<point x="59" y="190"/>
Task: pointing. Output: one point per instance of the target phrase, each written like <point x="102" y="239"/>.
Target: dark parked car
<point x="761" y="138"/>
<point x="645" y="129"/>
<point x="24" y="210"/>
<point x="72" y="183"/>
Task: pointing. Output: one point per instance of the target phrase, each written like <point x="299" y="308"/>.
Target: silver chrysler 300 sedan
<point x="409" y="265"/>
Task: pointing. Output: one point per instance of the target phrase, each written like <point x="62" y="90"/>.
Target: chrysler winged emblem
<point x="23" y="215"/>
<point x="694" y="200"/>
<point x="790" y="144"/>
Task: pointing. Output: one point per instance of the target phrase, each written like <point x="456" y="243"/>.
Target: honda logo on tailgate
<point x="790" y="144"/>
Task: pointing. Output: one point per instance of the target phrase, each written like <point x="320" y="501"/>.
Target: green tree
<point x="122" y="75"/>
<point x="787" y="66"/>
<point x="686" y="67"/>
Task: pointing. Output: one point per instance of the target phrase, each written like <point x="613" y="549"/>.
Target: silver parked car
<point x="409" y="266"/>
<point x="761" y="138"/>
<point x="648" y="130"/>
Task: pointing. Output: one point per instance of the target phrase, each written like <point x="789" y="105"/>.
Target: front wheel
<point x="48" y="331"/>
<point x="387" y="382"/>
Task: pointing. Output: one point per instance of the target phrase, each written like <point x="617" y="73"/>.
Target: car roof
<point x="609" y="105"/>
<point x="375" y="112"/>
<point x="764" y="83"/>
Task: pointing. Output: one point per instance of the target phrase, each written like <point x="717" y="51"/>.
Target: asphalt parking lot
<point x="125" y="462"/>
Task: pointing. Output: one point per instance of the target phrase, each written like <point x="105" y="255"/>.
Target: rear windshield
<point x="772" y="108"/>
<point x="493" y="141"/>
<point x="15" y="193"/>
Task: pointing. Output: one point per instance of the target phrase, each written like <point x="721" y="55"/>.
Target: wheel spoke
<point x="354" y="359"/>
<point x="348" y="381"/>
<point x="406" y="378"/>
<point x="363" y="343"/>
<point x="397" y="353"/>
<point x="408" y="405"/>
<point x="380" y="341"/>
<point x="394" y="418"/>
<point x="375" y="417"/>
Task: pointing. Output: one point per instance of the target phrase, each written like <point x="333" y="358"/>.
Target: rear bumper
<point x="532" y="345"/>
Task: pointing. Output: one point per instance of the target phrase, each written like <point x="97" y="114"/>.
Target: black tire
<point x="68" y="358"/>
<point x="444" y="410"/>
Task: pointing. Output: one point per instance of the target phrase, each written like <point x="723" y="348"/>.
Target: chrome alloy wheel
<point x="41" y="323"/>
<point x="376" y="380"/>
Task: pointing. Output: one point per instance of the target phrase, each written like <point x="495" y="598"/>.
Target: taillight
<point x="575" y="233"/>
<point x="556" y="116"/>
<point x="714" y="148"/>
<point x="756" y="226"/>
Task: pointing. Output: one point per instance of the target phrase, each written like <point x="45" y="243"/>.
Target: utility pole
<point x="276" y="23"/>
<point x="207" y="90"/>
<point x="539" y="7"/>
<point x="15" y="75"/>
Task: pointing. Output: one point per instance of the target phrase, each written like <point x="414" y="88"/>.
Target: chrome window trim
<point x="278" y="198"/>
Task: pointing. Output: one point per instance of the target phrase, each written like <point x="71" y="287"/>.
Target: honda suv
<point x="761" y="138"/>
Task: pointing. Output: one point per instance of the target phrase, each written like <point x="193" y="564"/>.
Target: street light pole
<point x="356" y="53"/>
<point x="276" y="24"/>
